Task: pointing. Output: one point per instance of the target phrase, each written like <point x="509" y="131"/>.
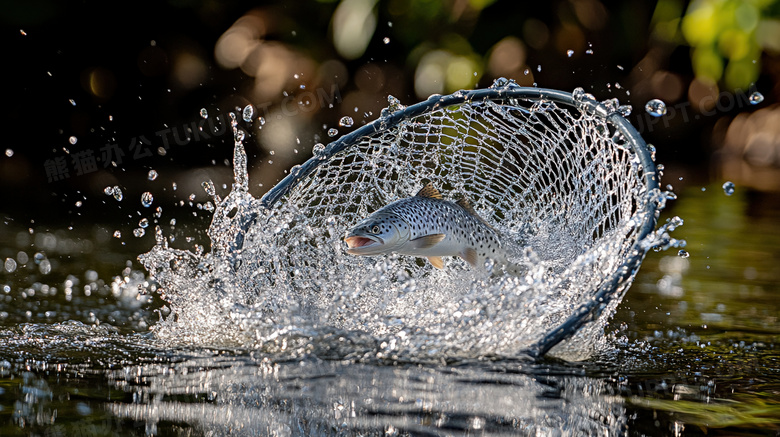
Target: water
<point x="692" y="346"/>
<point x="728" y="188"/>
<point x="656" y="108"/>
<point x="89" y="345"/>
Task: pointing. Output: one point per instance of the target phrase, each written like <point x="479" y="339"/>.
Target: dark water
<point x="692" y="352"/>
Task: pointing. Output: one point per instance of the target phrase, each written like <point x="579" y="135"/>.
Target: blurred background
<point x="137" y="95"/>
<point x="99" y="93"/>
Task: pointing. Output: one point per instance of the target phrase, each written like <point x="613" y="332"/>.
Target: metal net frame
<point x="527" y="158"/>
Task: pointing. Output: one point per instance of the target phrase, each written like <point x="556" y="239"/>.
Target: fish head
<point x="379" y="233"/>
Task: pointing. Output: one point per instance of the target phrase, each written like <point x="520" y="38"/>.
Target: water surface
<point x="691" y="351"/>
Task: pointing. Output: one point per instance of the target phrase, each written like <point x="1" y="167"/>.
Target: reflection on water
<point x="310" y="397"/>
<point x="694" y="351"/>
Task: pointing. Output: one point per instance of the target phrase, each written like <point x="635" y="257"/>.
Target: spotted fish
<point x="426" y="225"/>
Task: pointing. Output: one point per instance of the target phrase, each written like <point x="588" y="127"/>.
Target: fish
<point x="426" y="225"/>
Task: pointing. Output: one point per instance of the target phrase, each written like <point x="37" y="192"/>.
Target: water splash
<point x="756" y="98"/>
<point x="656" y="108"/>
<point x="728" y="188"/>
<point x="279" y="279"/>
<point x="248" y="112"/>
<point x="147" y="199"/>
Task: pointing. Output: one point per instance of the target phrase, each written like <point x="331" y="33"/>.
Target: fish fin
<point x="436" y="261"/>
<point x="470" y="255"/>
<point x="464" y="203"/>
<point x="427" y="241"/>
<point x="429" y="191"/>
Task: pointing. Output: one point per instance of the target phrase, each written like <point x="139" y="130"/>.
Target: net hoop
<point x="587" y="311"/>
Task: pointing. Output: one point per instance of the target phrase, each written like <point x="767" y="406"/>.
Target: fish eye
<point x="375" y="229"/>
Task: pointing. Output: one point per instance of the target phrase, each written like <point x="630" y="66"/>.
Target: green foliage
<point x="726" y="36"/>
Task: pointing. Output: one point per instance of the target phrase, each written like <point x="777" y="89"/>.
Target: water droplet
<point x="116" y="192"/>
<point x="611" y="104"/>
<point x="10" y="265"/>
<point x="346" y="121"/>
<point x="261" y="120"/>
<point x="73" y="140"/>
<point x="139" y="232"/>
<point x="539" y="68"/>
<point x="72" y="102"/>
<point x="500" y="82"/>
<point x="174" y="186"/>
<point x="249" y="111"/>
<point x="580" y="95"/>
<point x="569" y="53"/>
<point x="526" y="71"/>
<point x="332" y="132"/>
<point x="683" y="253"/>
<point x="620" y="67"/>
<point x="625" y="110"/>
<point x="147" y="199"/>
<point x="108" y="191"/>
<point x="239" y="136"/>
<point x="756" y="98"/>
<point x="204" y="113"/>
<point x="152" y="175"/>
<point x="589" y="52"/>
<point x="393" y="104"/>
<point x="318" y="148"/>
<point x="386" y="40"/>
<point x="656" y="108"/>
<point x="728" y="188"/>
<point x="78" y="204"/>
<point x="117" y="234"/>
<point x="143" y="223"/>
<point x="208" y="186"/>
<point x="9" y="152"/>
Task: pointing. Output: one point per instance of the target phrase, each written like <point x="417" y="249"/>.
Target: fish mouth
<point x="360" y="245"/>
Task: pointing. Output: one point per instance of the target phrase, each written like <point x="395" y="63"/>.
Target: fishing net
<point x="566" y="181"/>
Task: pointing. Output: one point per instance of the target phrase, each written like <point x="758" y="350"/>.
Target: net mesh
<point x="562" y="187"/>
<point x="529" y="170"/>
<point x="557" y="183"/>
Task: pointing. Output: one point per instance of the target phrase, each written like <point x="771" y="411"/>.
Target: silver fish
<point x="426" y="225"/>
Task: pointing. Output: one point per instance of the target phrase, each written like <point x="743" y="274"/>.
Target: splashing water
<point x="756" y="98"/>
<point x="147" y="199"/>
<point x="728" y="188"/>
<point x="248" y="113"/>
<point x="278" y="278"/>
<point x="656" y="108"/>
